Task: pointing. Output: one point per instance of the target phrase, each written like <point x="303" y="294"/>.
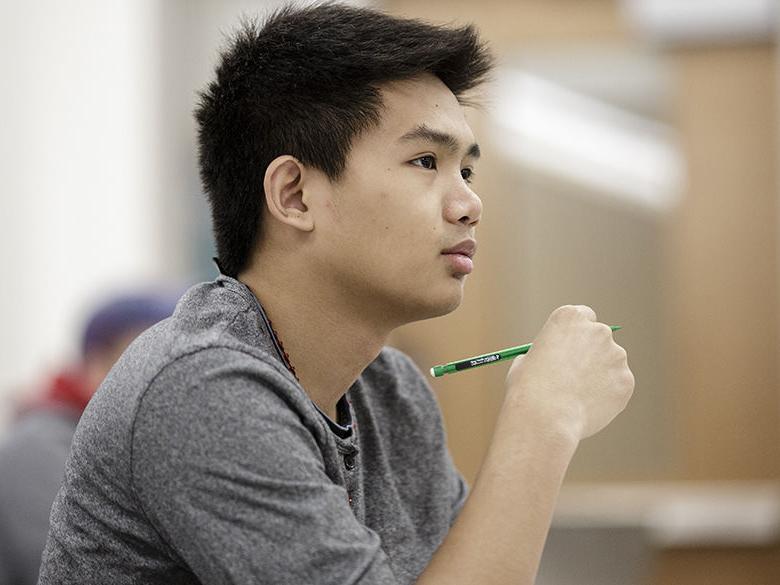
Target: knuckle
<point x="629" y="381"/>
<point x="604" y="330"/>
<point x="564" y="310"/>
<point x="586" y="311"/>
<point x="623" y="380"/>
<point x="561" y="314"/>
<point x="574" y="311"/>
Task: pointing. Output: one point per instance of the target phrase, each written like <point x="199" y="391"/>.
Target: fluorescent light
<point x="698" y="21"/>
<point x="610" y="151"/>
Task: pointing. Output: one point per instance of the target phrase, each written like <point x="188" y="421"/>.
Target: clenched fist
<point x="574" y="379"/>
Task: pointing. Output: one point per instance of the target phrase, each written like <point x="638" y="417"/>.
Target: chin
<point x="453" y="302"/>
<point x="430" y="306"/>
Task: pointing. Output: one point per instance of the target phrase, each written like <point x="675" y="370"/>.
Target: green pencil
<point x="486" y="358"/>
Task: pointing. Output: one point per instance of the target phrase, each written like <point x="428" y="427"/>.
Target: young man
<point x="263" y="434"/>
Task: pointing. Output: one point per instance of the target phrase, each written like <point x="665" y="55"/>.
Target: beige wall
<point x="496" y="311"/>
<point x="722" y="258"/>
<point x="707" y="401"/>
<point x="698" y="297"/>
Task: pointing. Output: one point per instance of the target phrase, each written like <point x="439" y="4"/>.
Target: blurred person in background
<point x="34" y="451"/>
<point x="264" y="433"/>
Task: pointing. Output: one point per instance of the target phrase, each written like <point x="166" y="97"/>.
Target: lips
<point x="465" y="248"/>
<point x="460" y="256"/>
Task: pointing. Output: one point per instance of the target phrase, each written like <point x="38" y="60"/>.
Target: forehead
<point x="422" y="100"/>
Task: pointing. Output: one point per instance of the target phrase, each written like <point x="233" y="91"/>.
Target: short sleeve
<point x="235" y="483"/>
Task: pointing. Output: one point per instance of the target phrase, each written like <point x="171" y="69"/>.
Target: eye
<point x="427" y="162"/>
<point x="467" y="174"/>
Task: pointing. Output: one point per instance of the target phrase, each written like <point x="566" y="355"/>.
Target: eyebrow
<point x="445" y="139"/>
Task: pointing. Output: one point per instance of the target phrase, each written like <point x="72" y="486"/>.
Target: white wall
<point x="79" y="163"/>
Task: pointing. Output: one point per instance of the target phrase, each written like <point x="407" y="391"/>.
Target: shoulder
<point x="214" y="338"/>
<point x="394" y="366"/>
<point x="216" y="363"/>
<point x="394" y="388"/>
<point x="219" y="381"/>
<point x="220" y="412"/>
<point x="396" y="375"/>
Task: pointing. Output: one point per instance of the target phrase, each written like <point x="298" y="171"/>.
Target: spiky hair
<point x="305" y="82"/>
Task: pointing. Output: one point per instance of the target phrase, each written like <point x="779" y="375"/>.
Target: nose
<point x="463" y="206"/>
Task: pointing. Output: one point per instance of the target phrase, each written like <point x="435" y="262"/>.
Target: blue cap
<point x="122" y="315"/>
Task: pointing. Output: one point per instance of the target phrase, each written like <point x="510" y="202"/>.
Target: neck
<point x="327" y="342"/>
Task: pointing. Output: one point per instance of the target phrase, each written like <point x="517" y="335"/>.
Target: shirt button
<point x="349" y="461"/>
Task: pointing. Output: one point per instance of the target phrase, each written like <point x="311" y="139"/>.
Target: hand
<point x="575" y="377"/>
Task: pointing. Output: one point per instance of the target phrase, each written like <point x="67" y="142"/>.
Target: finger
<point x="586" y="311"/>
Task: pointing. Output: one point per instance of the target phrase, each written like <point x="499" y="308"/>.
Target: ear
<point x="284" y="184"/>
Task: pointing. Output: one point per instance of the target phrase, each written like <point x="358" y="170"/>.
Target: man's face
<point x="403" y="200"/>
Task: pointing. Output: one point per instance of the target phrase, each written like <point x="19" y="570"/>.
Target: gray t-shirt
<point x="202" y="460"/>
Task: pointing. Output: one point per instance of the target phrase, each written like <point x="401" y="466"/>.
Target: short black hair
<point x="306" y="82"/>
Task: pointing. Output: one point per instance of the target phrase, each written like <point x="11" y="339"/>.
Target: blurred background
<point x="629" y="163"/>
